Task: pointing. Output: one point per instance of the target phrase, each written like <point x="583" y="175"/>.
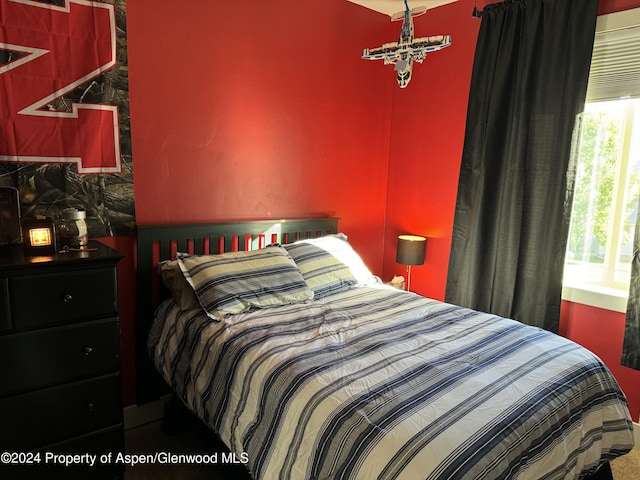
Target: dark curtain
<point x="511" y="223"/>
<point x="631" y="344"/>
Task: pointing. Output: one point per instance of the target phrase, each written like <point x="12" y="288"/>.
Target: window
<point x="607" y="186"/>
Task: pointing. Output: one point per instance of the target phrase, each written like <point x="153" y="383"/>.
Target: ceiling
<point x="389" y="7"/>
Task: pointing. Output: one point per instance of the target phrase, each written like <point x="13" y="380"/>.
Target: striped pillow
<point x="319" y="263"/>
<point x="235" y="282"/>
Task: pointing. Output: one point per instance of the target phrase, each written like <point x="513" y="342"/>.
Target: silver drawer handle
<point x="87" y="350"/>
<point x="68" y="298"/>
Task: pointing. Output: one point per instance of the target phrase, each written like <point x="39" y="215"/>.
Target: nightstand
<point x="60" y="387"/>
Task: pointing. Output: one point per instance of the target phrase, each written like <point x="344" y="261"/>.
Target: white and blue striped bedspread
<point x="376" y="383"/>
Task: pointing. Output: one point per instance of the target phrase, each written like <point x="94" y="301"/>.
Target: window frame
<point x="597" y="295"/>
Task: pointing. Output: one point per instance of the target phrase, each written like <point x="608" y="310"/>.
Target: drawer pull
<point x="68" y="298"/>
<point x="90" y="406"/>
<point x="87" y="350"/>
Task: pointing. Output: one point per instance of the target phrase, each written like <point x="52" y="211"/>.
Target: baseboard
<point x="137" y="415"/>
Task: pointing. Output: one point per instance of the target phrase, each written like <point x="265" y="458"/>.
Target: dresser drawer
<point x="68" y="296"/>
<point x="50" y="356"/>
<point x="5" y="317"/>
<point x="54" y="414"/>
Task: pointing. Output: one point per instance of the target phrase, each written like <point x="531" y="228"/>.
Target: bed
<point x="307" y="366"/>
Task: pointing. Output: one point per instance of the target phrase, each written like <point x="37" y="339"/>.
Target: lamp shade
<point x="411" y="250"/>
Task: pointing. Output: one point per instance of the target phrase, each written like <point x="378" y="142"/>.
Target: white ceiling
<point x="389" y="7"/>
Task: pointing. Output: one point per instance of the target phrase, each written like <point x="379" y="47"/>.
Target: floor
<point x="150" y="438"/>
<point x="627" y="467"/>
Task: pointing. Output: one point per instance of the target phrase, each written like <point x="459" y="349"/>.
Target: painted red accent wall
<point x="602" y="332"/>
<point x="427" y="134"/>
<point x="611" y="6"/>
<point x="245" y="112"/>
<point x="127" y="302"/>
<point x="242" y="110"/>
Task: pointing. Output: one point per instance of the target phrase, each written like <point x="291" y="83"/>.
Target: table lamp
<point x="411" y="250"/>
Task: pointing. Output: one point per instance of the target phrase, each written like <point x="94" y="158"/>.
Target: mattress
<point x="375" y="382"/>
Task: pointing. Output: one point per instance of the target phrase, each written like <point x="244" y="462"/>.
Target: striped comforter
<point x="376" y="383"/>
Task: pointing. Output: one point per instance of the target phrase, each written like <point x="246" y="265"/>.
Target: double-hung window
<point x="607" y="184"/>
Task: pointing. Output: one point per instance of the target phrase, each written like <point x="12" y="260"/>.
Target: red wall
<point x="127" y="300"/>
<point x="427" y="133"/>
<point x="611" y="6"/>
<point x="426" y="149"/>
<point x="602" y="332"/>
<point x="246" y="112"/>
<point x="243" y="110"/>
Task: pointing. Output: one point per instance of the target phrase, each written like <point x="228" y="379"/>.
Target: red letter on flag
<point x="62" y="48"/>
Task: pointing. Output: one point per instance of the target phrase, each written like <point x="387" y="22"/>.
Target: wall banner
<point x="64" y="110"/>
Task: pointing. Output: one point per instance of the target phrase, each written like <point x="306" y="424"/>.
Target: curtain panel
<point x="511" y="222"/>
<point x="631" y="343"/>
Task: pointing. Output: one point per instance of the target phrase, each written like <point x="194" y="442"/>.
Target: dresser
<point x="60" y="386"/>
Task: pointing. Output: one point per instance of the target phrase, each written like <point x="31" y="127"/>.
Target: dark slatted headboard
<point x="160" y="242"/>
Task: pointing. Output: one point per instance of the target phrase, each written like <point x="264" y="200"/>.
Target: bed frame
<point x="160" y="242"/>
<point x="156" y="243"/>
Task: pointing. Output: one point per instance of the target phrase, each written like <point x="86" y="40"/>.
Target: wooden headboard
<point x="160" y="242"/>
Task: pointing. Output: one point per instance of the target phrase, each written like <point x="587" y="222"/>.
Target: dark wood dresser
<point x="60" y="388"/>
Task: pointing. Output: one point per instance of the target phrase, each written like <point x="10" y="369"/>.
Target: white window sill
<point x="596" y="296"/>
